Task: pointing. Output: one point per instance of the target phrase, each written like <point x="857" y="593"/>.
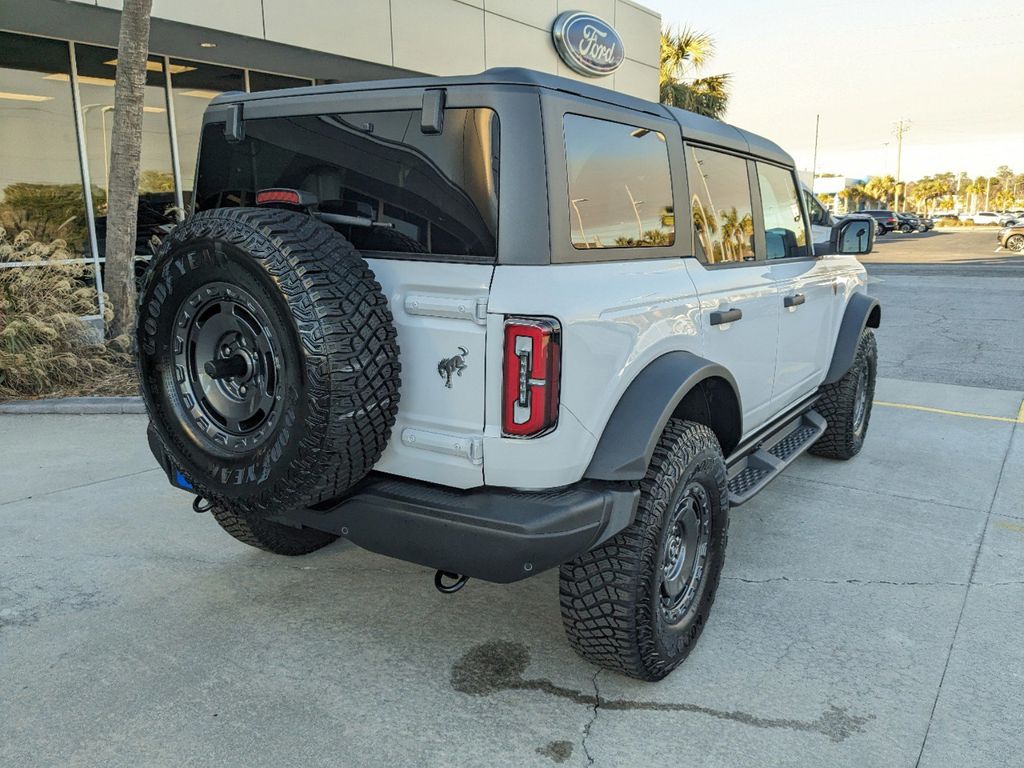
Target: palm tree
<point x="125" y="152"/>
<point x="880" y="188"/>
<point x="683" y="54"/>
<point x="852" y="195"/>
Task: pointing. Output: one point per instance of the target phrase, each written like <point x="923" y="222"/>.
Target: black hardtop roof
<point x="694" y="127"/>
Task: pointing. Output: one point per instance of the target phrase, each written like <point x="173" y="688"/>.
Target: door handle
<point x="795" y="300"/>
<point x="727" y="316"/>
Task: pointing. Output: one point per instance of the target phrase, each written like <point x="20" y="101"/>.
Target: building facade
<point x="58" y="60"/>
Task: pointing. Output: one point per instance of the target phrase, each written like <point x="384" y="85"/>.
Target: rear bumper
<point x="494" y="534"/>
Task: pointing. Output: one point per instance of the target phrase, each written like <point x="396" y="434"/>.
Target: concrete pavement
<point x="868" y="615"/>
<point x="869" y="612"/>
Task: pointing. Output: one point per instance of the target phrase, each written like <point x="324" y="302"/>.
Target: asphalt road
<point x="869" y="612"/>
<point x="952" y="308"/>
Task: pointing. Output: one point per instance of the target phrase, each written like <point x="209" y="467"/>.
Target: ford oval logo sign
<point x="587" y="44"/>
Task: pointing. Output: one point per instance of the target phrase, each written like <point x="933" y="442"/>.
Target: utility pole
<point x="901" y="128"/>
<point x="636" y="212"/>
<point x="814" y="163"/>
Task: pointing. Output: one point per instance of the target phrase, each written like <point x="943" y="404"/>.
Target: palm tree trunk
<point x="125" y="153"/>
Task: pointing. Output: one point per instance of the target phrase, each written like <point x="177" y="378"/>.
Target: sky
<point x="954" y="70"/>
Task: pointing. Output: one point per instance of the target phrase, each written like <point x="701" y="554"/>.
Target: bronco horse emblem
<point x="455" y="364"/>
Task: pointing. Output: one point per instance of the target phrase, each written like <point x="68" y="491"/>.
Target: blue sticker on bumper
<point x="181" y="481"/>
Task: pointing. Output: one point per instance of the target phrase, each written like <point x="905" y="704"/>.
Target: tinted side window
<point x="620" y="188"/>
<point x="723" y="218"/>
<point x="784" y="230"/>
<point x="815" y="210"/>
<point x="439" y="192"/>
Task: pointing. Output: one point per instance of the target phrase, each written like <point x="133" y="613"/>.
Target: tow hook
<point x="198" y="505"/>
<point x="456" y="581"/>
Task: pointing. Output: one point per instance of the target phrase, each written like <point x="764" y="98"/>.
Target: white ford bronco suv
<point x="499" y="324"/>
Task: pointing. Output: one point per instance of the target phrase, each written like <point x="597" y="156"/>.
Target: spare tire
<point x="267" y="358"/>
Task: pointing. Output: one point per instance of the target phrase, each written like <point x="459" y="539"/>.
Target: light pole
<point x="636" y="212"/>
<point x="814" y="162"/>
<point x="103" y="108"/>
<point x="575" y="206"/>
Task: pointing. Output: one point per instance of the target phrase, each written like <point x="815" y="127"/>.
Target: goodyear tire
<point x="270" y="536"/>
<point x="638" y="603"/>
<point x="846" y="404"/>
<point x="267" y="359"/>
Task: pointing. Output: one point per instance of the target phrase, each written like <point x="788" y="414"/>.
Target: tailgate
<point x="440" y="312"/>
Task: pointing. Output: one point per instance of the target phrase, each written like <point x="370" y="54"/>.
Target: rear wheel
<point x="271" y="537"/>
<point x="638" y="603"/>
<point x="846" y="404"/>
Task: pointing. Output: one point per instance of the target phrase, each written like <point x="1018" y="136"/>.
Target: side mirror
<point x="853" y="237"/>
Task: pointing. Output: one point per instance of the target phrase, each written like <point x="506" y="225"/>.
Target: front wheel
<point x="846" y="404"/>
<point x="1015" y="243"/>
<point x="638" y="603"/>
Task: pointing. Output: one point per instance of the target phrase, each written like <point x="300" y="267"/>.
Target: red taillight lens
<point x="533" y="358"/>
<point x="283" y="196"/>
<point x="267" y="196"/>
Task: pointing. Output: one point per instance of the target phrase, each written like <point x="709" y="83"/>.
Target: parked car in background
<point x="944" y="216"/>
<point x="982" y="217"/>
<point x="1005" y="217"/>
<point x="1012" y="237"/>
<point x="886" y="219"/>
<point x="926" y="223"/>
<point x="908" y="222"/>
<point x="879" y="227"/>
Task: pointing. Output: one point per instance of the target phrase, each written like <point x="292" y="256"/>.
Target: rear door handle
<point x="795" y="300"/>
<point x="728" y="316"/>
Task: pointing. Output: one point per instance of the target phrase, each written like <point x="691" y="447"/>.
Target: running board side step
<point x="751" y="473"/>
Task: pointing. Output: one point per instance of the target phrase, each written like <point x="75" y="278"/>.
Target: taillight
<point x="533" y="359"/>
<point x="282" y="196"/>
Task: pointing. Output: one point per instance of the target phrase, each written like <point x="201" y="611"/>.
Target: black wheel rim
<point x="685" y="552"/>
<point x="227" y="367"/>
<point x="860" y="399"/>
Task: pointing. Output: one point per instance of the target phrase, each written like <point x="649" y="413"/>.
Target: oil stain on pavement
<point x="499" y="666"/>
<point x="559" y="751"/>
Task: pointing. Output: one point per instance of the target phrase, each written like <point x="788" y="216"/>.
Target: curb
<point x="75" y="406"/>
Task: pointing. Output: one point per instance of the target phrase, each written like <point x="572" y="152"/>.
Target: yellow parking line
<point x="1007" y="419"/>
<point x="1011" y="527"/>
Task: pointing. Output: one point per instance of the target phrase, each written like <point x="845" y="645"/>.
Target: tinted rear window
<point x="439" y="192"/>
<point x="620" y="188"/>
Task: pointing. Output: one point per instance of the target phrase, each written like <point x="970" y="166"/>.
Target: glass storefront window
<point x="265" y="81"/>
<point x="96" y="72"/>
<point x="40" y="166"/>
<point x="40" y="175"/>
<point x="193" y="85"/>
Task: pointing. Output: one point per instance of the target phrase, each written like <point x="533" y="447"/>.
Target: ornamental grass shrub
<point x="46" y="348"/>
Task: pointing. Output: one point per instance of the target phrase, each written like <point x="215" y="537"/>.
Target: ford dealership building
<point x="58" y="59"/>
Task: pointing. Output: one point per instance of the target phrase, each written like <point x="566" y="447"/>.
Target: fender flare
<point x="631" y="434"/>
<point x="861" y="312"/>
